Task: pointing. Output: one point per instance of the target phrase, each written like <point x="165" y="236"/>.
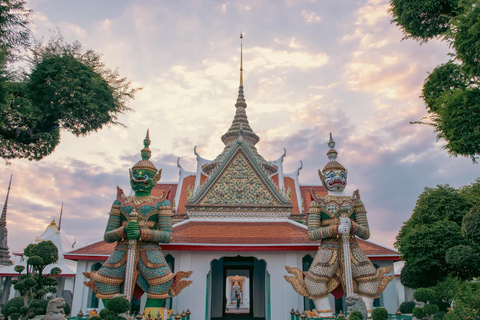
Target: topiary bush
<point x="379" y="314"/>
<point x="118" y="305"/>
<point x="424" y="295"/>
<point x="430" y="309"/>
<point x="355" y="315"/>
<point x="15" y="302"/>
<point x="407" y="306"/>
<point x="442" y="305"/>
<point x="418" y="313"/>
<point x="439" y="315"/>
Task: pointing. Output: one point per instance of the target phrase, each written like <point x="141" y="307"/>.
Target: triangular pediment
<point x="239" y="181"/>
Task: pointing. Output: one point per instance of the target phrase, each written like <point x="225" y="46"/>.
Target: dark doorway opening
<point x="238" y="288"/>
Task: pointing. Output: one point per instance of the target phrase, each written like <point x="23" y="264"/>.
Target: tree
<point x="423" y="19"/>
<point x="66" y="88"/>
<point x="33" y="285"/>
<point x="451" y="92"/>
<point x="440" y="238"/>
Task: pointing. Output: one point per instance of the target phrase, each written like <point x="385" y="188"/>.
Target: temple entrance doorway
<point x="238" y="288"/>
<point x="237" y="291"/>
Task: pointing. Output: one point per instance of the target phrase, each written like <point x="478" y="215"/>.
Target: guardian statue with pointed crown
<point x="138" y="224"/>
<point x="330" y="217"/>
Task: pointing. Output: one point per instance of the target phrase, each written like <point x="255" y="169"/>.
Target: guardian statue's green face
<point x="142" y="180"/>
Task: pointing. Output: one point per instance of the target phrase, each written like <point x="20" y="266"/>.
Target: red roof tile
<point x="290" y="183"/>
<point x="275" y="179"/>
<point x="236" y="233"/>
<point x="161" y="187"/>
<point x="306" y="194"/>
<point x="188" y="181"/>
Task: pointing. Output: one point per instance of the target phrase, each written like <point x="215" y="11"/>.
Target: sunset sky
<point x="310" y="68"/>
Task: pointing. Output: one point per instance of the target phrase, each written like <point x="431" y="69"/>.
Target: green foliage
<point x="424" y="295"/>
<point x="35" y="261"/>
<point x="355" y="315"/>
<point x="67" y="88"/>
<point x="23" y="310"/>
<point x="430" y="309"/>
<point x="104" y="313"/>
<point x="432" y="242"/>
<point x="466" y="37"/>
<point x="118" y="305"/>
<point x="423" y="19"/>
<point x="12" y="310"/>
<point x="39" y="311"/>
<point x="465" y="261"/>
<point x="407" y="306"/>
<point x="471" y="226"/>
<point x="451" y="92"/>
<point x="55" y="271"/>
<point x="418" y="313"/>
<point x="445" y="290"/>
<point x="19" y="268"/>
<point x="439" y="315"/>
<point x="47" y="251"/>
<point x="424" y="248"/>
<point x="341" y="318"/>
<point x="466" y="303"/>
<point x="472" y="192"/>
<point x="20" y="286"/>
<point x="14" y="32"/>
<point x="379" y="314"/>
<point x="15" y="316"/>
<point x="16" y="303"/>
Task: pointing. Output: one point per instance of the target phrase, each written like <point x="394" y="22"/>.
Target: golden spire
<point x="241" y="60"/>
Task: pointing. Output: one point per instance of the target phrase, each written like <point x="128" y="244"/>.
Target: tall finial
<point x="60" y="220"/>
<point x="332" y="153"/>
<point x="241" y="59"/>
<point x="3" y="219"/>
<point x="145" y="152"/>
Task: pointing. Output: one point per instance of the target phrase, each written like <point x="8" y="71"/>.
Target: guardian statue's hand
<point x="344" y="226"/>
<point x="132" y="230"/>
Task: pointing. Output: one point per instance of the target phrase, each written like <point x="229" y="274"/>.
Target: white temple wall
<point x="282" y="296"/>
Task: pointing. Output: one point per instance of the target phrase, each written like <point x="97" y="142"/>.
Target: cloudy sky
<point x="310" y="68"/>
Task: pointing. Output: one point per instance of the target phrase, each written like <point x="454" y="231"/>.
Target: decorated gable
<point x="239" y="184"/>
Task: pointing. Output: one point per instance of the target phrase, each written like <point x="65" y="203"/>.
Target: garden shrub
<point x="424" y="295"/>
<point x="430" y="309"/>
<point x="439" y="315"/>
<point x="379" y="314"/>
<point x="418" y="313"/>
<point x="356" y="315"/>
<point x="407" y="306"/>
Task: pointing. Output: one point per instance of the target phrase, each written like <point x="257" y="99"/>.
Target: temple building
<point x="66" y="280"/>
<point x="239" y="219"/>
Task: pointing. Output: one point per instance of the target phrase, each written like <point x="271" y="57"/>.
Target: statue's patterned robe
<point x="153" y="275"/>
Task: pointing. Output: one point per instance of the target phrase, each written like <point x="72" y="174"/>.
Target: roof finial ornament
<point x="145" y="152"/>
<point x="332" y="153"/>
<point x="241" y="60"/>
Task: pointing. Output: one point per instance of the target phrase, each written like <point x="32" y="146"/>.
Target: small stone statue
<point x="55" y="309"/>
